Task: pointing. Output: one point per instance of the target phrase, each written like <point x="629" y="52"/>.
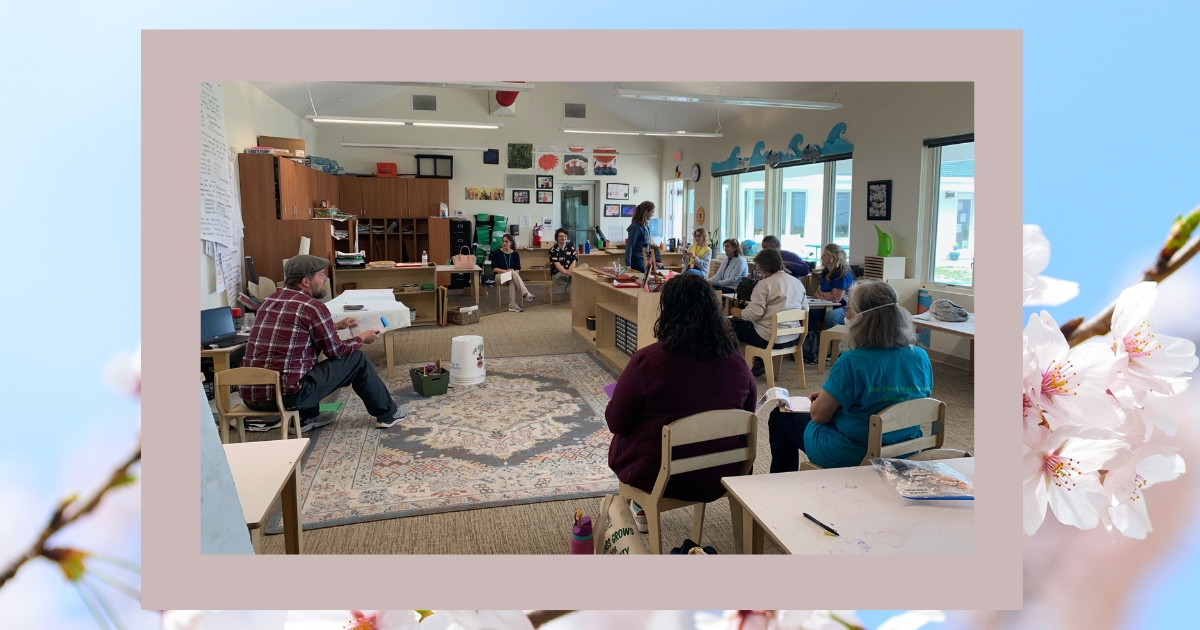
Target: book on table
<point x="779" y="397"/>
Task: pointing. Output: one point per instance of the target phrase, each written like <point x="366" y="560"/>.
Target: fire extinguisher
<point x="537" y="236"/>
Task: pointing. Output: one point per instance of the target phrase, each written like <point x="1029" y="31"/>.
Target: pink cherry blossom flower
<point x="1148" y="361"/>
<point x="124" y="373"/>
<point x="1148" y="465"/>
<point x="1066" y="386"/>
<point x="1063" y="471"/>
<point x="1039" y="289"/>
<point x="351" y="620"/>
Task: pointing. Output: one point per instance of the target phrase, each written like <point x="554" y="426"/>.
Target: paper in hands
<point x="779" y="397"/>
<point x="505" y="277"/>
<point x="365" y="322"/>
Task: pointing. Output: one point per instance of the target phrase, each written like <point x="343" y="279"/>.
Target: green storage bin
<point x="499" y="224"/>
<point x="430" y="385"/>
<point x="483" y="218"/>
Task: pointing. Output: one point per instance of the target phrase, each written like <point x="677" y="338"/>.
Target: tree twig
<point x="1101" y="324"/>
<point x="64" y="515"/>
<point x="540" y="617"/>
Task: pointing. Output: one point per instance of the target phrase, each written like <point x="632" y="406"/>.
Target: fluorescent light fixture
<point x="725" y="100"/>
<point x="673" y="134"/>
<point x="399" y="121"/>
<point x="497" y="86"/>
<point x="371" y="145"/>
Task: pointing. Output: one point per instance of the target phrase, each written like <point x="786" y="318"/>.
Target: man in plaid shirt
<point x="291" y="326"/>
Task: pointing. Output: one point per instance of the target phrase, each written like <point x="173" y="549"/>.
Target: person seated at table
<point x="792" y="263"/>
<point x="880" y="365"/>
<point x="774" y="293"/>
<point x="290" y="328"/>
<point x="731" y="272"/>
<point x="637" y="236"/>
<point x="693" y="367"/>
<point x="697" y="258"/>
<point x="835" y="282"/>
<point x="508" y="260"/>
<point x="562" y="259"/>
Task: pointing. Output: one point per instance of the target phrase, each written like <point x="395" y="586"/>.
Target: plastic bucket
<point x="466" y="360"/>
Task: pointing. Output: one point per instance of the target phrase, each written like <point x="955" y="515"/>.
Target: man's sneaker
<point x="516" y="309"/>
<point x="529" y="297"/>
<point x="315" y="423"/>
<point x="759" y="367"/>
<point x="639" y="517"/>
<point x="261" y="426"/>
<point x="387" y="423"/>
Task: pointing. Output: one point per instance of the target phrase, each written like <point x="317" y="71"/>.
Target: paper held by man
<point x="365" y="322"/>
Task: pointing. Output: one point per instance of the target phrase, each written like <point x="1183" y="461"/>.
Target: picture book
<point x="779" y="397"/>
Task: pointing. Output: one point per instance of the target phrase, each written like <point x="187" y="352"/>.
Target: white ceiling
<point x="344" y="99"/>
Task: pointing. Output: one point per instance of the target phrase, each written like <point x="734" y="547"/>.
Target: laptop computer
<point x="216" y="328"/>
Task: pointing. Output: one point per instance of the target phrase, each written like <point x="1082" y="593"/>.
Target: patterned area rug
<point x="533" y="431"/>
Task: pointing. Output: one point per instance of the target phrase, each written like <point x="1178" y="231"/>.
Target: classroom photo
<point x="587" y="318"/>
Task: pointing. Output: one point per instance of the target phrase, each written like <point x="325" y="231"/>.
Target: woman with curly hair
<point x="694" y="367"/>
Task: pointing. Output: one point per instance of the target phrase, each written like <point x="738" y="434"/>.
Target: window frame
<point x="930" y="198"/>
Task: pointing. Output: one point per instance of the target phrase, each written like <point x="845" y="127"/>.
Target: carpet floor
<point x="544" y="527"/>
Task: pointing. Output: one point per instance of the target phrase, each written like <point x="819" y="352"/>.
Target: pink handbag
<point x="464" y="261"/>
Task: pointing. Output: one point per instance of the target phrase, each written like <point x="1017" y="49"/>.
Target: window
<point x="751" y="198"/>
<point x="952" y="225"/>
<point x="797" y="205"/>
<point x="723" y="203"/>
<point x="801" y="214"/>
<point x="842" y="177"/>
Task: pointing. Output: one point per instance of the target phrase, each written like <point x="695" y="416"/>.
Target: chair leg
<point x="769" y="364"/>
<point x="653" y="525"/>
<point x="697" y="522"/>
<point x="799" y="357"/>
<point x="735" y="515"/>
<point x="822" y="350"/>
<point x="224" y="429"/>
<point x="241" y="430"/>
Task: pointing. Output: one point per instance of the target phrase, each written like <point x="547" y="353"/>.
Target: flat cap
<point x="303" y="266"/>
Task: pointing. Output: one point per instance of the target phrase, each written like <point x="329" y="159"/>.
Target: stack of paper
<point x="351" y="259"/>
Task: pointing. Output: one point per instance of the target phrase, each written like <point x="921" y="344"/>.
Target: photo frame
<point x="879" y="200"/>
<point x="545" y="182"/>
<point x="545" y="196"/>
<point x="617" y="191"/>
<point x="520" y="196"/>
<point x="491" y="156"/>
<point x="612" y="210"/>
<point x="627" y="210"/>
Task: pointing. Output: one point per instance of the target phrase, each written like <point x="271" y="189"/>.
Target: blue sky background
<point x="1110" y="157"/>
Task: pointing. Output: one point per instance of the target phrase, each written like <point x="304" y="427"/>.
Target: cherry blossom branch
<point x="540" y="617"/>
<point x="64" y="515"/>
<point x="1176" y="252"/>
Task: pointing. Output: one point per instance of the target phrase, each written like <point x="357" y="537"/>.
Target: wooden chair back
<point x="784" y="317"/>
<point x="702" y="427"/>
<point x="910" y="413"/>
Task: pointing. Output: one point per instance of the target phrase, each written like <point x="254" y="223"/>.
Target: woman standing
<point x="697" y="258"/>
<point x="637" y="236"/>
<point x="879" y="367"/>
<point x="732" y="270"/>
<point x="508" y="260"/>
<point x="694" y="339"/>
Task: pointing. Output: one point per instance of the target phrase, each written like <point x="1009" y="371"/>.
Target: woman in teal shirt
<point x="879" y="366"/>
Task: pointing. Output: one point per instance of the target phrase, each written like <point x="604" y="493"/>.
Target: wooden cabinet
<point x="385" y="198"/>
<point x="292" y="180"/>
<point x="426" y="195"/>
<point x="350" y="195"/>
<point x="327" y="190"/>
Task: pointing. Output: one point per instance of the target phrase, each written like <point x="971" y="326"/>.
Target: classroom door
<point x="576" y="214"/>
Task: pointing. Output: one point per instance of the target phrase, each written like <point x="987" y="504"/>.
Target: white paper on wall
<point x="220" y="213"/>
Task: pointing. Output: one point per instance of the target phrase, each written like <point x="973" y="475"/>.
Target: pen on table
<point x="823" y="525"/>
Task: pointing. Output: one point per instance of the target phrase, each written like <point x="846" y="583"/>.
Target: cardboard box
<point x="290" y="147"/>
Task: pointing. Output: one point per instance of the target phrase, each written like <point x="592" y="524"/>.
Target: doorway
<point x="576" y="212"/>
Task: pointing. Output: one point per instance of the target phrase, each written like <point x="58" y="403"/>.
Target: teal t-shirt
<point x="864" y="381"/>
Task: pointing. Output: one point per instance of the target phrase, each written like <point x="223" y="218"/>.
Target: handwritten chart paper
<point x="216" y="198"/>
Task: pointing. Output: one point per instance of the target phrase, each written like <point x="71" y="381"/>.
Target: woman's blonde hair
<point x="703" y="236"/>
<point x="640" y="212"/>
<point x="879" y="321"/>
<point x="840" y="266"/>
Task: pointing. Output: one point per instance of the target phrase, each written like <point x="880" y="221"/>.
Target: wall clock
<point x="695" y="172"/>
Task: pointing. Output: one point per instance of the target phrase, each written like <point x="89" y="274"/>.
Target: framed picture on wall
<point x="545" y="182"/>
<point x="545" y="196"/>
<point x="612" y="209"/>
<point x="627" y="210"/>
<point x="619" y="192"/>
<point x="520" y="196"/>
<point x="879" y="200"/>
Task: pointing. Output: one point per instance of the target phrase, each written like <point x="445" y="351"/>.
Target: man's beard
<point x="320" y="294"/>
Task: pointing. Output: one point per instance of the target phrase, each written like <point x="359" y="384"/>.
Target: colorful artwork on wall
<point x="604" y="161"/>
<point x="485" y="194"/>
<point x="575" y="162"/>
<point x="520" y="155"/>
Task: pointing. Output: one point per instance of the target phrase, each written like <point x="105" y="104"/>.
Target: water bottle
<point x="581" y="534"/>
<point x="424" y="258"/>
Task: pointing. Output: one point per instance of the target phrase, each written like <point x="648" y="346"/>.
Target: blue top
<point x="842" y="283"/>
<point x="795" y="265"/>
<point x="864" y="381"/>
<point x="510" y="261"/>
<point x="730" y="272"/>
<point x="636" y="241"/>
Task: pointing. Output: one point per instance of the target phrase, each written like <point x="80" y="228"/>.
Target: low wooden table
<point x="962" y="329"/>
<point x="220" y="358"/>
<point x="262" y="472"/>
<point x="870" y="515"/>
<point x="478" y="271"/>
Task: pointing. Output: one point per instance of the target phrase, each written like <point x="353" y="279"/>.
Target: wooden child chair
<point x="239" y="412"/>
<point x="771" y="356"/>
<point x="910" y="413"/>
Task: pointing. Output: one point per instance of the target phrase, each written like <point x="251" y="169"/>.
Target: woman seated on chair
<point x="508" y="260"/>
<point x="777" y="291"/>
<point x="732" y="270"/>
<point x="879" y="366"/>
<point x="693" y="367"/>
<point x="698" y="256"/>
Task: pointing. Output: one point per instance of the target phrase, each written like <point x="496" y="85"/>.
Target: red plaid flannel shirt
<point x="289" y="328"/>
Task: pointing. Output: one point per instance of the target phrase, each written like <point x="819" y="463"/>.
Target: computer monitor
<point x="215" y="323"/>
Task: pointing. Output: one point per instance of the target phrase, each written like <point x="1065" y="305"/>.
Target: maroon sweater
<point x="658" y="388"/>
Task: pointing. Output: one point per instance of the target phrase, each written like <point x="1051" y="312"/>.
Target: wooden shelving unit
<point x="592" y="295"/>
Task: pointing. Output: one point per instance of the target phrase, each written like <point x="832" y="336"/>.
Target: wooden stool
<point x="827" y="345"/>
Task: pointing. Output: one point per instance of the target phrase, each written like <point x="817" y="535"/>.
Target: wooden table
<point x="262" y="472"/>
<point x="220" y="358"/>
<point x="870" y="515"/>
<point x="962" y="329"/>
<point x="478" y="271"/>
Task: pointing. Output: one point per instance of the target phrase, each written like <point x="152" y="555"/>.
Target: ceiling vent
<point x="575" y="110"/>
<point x="424" y="103"/>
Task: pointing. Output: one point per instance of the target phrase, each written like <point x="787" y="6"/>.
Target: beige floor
<point x="544" y="528"/>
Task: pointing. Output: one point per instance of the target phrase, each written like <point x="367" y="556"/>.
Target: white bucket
<point x="466" y="360"/>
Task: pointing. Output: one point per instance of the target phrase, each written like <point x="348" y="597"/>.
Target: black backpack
<point x="744" y="288"/>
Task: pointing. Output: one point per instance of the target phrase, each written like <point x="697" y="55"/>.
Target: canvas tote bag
<point x="464" y="261"/>
<point x="615" y="522"/>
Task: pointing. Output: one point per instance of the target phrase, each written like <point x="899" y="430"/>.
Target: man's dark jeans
<point x="326" y="377"/>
